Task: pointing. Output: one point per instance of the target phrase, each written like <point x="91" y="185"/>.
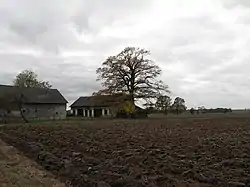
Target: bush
<point x="136" y="114"/>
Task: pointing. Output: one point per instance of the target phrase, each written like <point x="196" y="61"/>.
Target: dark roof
<point x="33" y="95"/>
<point x="101" y="101"/>
<point x="98" y="101"/>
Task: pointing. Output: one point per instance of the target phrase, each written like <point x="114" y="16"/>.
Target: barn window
<point x="106" y="112"/>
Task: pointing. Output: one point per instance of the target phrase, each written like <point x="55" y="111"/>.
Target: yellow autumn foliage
<point x="129" y="107"/>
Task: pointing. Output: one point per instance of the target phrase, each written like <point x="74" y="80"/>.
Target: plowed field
<point x="177" y="152"/>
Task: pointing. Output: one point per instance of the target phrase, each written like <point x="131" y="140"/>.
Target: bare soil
<point x="137" y="153"/>
<point x="16" y="170"/>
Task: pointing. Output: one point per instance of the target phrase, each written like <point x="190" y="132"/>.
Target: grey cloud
<point x="200" y="44"/>
<point x="28" y="30"/>
<point x="72" y="79"/>
<point x="233" y="3"/>
<point x="6" y="77"/>
<point x="46" y="24"/>
<point x="92" y="16"/>
<point x="204" y="58"/>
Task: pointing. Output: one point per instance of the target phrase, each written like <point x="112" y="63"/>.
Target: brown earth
<point x="16" y="170"/>
<point x="173" y="152"/>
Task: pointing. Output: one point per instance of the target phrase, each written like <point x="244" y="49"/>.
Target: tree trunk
<point x="20" y="106"/>
<point x="166" y="112"/>
<point x="132" y="98"/>
<point x="21" y="112"/>
<point x="23" y="116"/>
<point x="5" y="118"/>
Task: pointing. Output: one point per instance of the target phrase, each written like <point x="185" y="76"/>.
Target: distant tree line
<point x="165" y="105"/>
<point x="202" y="110"/>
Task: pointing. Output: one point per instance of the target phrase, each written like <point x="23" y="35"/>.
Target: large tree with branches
<point x="133" y="73"/>
<point x="29" y="79"/>
<point x="163" y="103"/>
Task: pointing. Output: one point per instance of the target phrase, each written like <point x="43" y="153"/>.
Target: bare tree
<point x="29" y="79"/>
<point x="133" y="73"/>
<point x="19" y="100"/>
<point x="192" y="110"/>
<point x="179" y="105"/>
<point x="163" y="103"/>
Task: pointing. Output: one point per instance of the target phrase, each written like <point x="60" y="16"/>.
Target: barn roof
<point x="98" y="101"/>
<point x="33" y="95"/>
<point x="101" y="101"/>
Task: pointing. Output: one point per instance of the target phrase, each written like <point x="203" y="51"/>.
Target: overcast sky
<point x="202" y="46"/>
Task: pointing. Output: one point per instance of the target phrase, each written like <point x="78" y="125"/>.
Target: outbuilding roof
<point x="33" y="95"/>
